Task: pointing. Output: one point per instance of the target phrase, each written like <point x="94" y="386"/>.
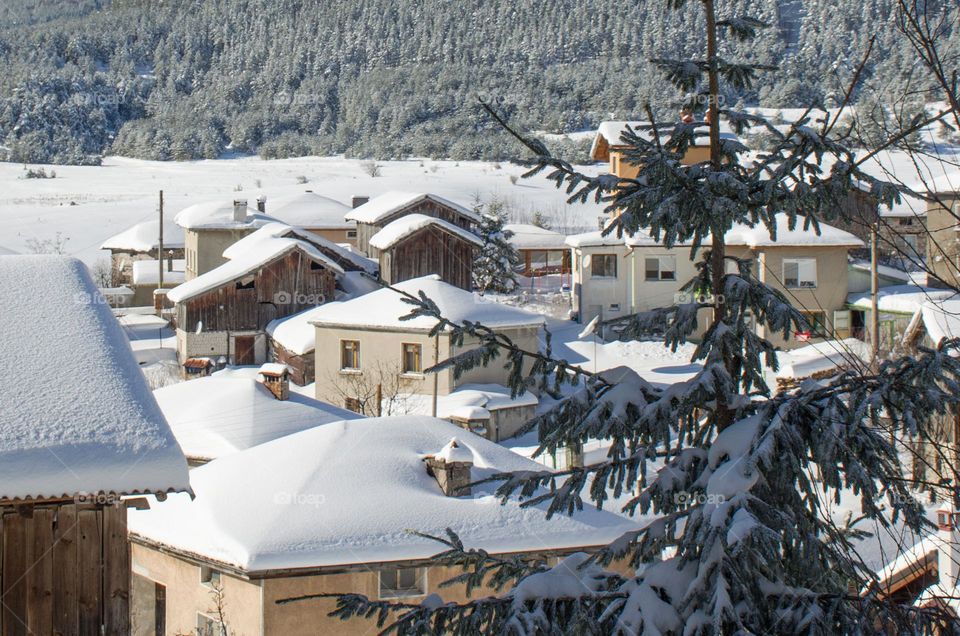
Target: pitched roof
<point x="527" y="237"/>
<point x="76" y="414"/>
<point x="609" y="133"/>
<point x="349" y="492"/>
<point x="226" y="413"/>
<point x="148" y="272"/>
<point x="145" y="236"/>
<point x="384" y="308"/>
<point x="212" y="215"/>
<point x="342" y="255"/>
<point x="379" y="208"/>
<point x="309" y="209"/>
<point x="401" y="228"/>
<point x="759" y="236"/>
<point x="260" y="254"/>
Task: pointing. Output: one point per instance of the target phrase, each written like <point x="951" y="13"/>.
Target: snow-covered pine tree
<point x="736" y="478"/>
<point x="493" y="268"/>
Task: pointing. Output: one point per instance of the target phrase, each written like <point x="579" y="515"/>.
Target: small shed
<point x="543" y="252"/>
<point x="84" y="433"/>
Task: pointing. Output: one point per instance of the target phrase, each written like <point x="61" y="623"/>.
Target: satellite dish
<point x="586" y="261"/>
<point x="199" y="326"/>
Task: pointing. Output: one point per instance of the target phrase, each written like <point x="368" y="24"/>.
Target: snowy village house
<point x="542" y="252"/>
<point x="75" y="441"/>
<point x="329" y="510"/>
<point x="140" y="243"/>
<point x="210" y="228"/>
<point x="316" y="214"/>
<point x="362" y="345"/>
<point x="943" y="236"/>
<point x="275" y="272"/>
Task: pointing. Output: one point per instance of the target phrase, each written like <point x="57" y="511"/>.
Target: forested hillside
<point x="380" y="78"/>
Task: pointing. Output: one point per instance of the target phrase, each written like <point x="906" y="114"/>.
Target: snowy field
<point x="88" y="204"/>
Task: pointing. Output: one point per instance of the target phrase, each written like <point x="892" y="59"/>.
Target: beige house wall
<point x="943" y="248"/>
<point x="204" y="249"/>
<point x="380" y="361"/>
<point x="339" y="236"/>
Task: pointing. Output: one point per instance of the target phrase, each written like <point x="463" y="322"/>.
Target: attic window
<point x="209" y="576"/>
<point x="315" y="266"/>
<point x="247" y="283"/>
<point x="403" y="582"/>
<point x="351" y="234"/>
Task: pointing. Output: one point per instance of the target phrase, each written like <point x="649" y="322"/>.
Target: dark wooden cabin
<point x="438" y="248"/>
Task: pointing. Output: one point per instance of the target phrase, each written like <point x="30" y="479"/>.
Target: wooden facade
<point x="302" y="367"/>
<point x="426" y="207"/>
<point x="65" y="569"/>
<point x="287" y="285"/>
<point x="430" y="250"/>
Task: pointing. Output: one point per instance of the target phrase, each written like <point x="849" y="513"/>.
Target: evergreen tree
<point x="735" y="478"/>
<point x="493" y="268"/>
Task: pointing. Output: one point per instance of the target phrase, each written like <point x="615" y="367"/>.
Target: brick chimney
<point x="262" y="204"/>
<point x="948" y="554"/>
<point x="357" y="200"/>
<point x="276" y="377"/>
<point x="239" y="210"/>
<point x="451" y="468"/>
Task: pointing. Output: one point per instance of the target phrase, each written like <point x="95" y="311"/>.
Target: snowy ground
<point x="88" y="204"/>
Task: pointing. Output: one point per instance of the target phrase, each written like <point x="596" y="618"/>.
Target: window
<point x="614" y="164"/>
<point x="906" y="221"/>
<point x="247" y="283"/>
<point x="412" y="358"/>
<point x="402" y="582"/>
<point x="349" y="354"/>
<point x="209" y="576"/>
<point x="661" y="267"/>
<point x="799" y="273"/>
<point x="209" y="626"/>
<point x="816" y="321"/>
<point x="603" y="266"/>
<point x="351" y="234"/>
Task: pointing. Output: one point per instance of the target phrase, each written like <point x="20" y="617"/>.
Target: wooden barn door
<point x="244" y="353"/>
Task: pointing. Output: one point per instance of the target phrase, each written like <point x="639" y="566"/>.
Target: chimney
<point x="239" y="210"/>
<point x="276" y="377"/>
<point x="262" y="204"/>
<point x="948" y="553"/>
<point x="356" y="200"/>
<point x="451" y="468"/>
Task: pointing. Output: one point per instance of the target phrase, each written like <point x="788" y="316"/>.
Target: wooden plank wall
<point x="430" y="251"/>
<point x="65" y="570"/>
<point x="428" y="208"/>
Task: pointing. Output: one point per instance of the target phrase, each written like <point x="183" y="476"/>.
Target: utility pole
<point x="874" y="288"/>
<point x="160" y="245"/>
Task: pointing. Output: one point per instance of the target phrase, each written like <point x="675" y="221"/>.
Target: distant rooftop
<point x="379" y="208"/>
<point x="311" y="210"/>
<point x="145" y="236"/>
<point x="213" y="215"/>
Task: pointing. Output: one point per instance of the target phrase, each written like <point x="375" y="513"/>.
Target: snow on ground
<point x="89" y="204"/>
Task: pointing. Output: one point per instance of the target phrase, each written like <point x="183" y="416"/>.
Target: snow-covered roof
<point x="948" y="183"/>
<point x="597" y="239"/>
<point x="312" y="210"/>
<point x="817" y="357"/>
<point x="379" y="208"/>
<point x="213" y="215"/>
<point x="341" y="254"/>
<point x="883" y="271"/>
<point x="532" y="237"/>
<point x="454" y="451"/>
<point x="6" y="251"/>
<point x="145" y="236"/>
<point x="900" y="299"/>
<point x="349" y="492"/>
<point x="941" y="318"/>
<point x="610" y="132"/>
<point x="909" y="206"/>
<point x="226" y="413"/>
<point x="759" y="236"/>
<point x="260" y="254"/>
<point x="384" y="308"/>
<point x="148" y="272"/>
<point x="469" y="401"/>
<point x="76" y="415"/>
<point x="401" y="228"/>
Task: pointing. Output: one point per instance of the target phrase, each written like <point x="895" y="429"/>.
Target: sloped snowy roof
<point x="76" y="414"/>
<point x="213" y="215"/>
<point x="276" y="230"/>
<point x="384" y="308"/>
<point x="948" y="183"/>
<point x="470" y="401"/>
<point x="597" y="239"/>
<point x="380" y="207"/>
<point x="909" y="206"/>
<point x="349" y="492"/>
<point x="309" y="209"/>
<point x="6" y="251"/>
<point x="145" y="236"/>
<point x="401" y="228"/>
<point x="527" y="237"/>
<point x="901" y="299"/>
<point x="148" y="272"/>
<point x="611" y="131"/>
<point x="818" y="357"/>
<point x="260" y="254"/>
<point x="759" y="236"/>
<point x="884" y="271"/>
<point x="941" y="318"/>
<point x="222" y="414"/>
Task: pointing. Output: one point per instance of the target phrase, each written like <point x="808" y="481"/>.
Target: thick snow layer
<point x="611" y="131"/>
<point x="350" y="492"/>
<point x="759" y="236"/>
<point x="470" y="401"/>
<point x="145" y="236"/>
<point x="455" y="451"/>
<point x="388" y="203"/>
<point x="397" y="230"/>
<point x="222" y="414"/>
<point x="219" y="215"/>
<point x="385" y="308"/>
<point x="148" y="272"/>
<point x="652" y="361"/>
<point x="818" y="357"/>
<point x="281" y="230"/>
<point x="945" y="183"/>
<point x="900" y="299"/>
<point x="941" y="318"/>
<point x="528" y="237"/>
<point x="597" y="239"/>
<point x="6" y="252"/>
<point x="261" y="253"/>
<point x="75" y="411"/>
<point x="885" y="271"/>
<point x="312" y="210"/>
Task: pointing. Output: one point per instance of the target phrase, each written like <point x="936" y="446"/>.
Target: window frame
<point x="215" y="623"/>
<point x="356" y="356"/>
<point x="213" y="576"/>
<point x="660" y="269"/>
<point x="798" y="261"/>
<point x="420" y="588"/>
<point x="419" y="359"/>
<point x="607" y="258"/>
